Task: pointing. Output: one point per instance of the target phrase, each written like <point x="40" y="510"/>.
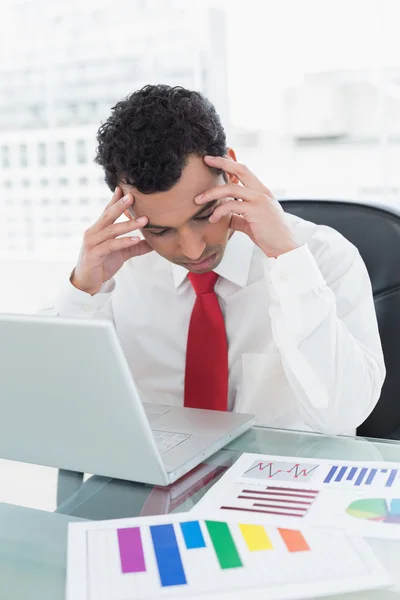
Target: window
<point x="83" y="181"/>
<point x="84" y="201"/>
<point x="23" y="155"/>
<point x="5" y="156"/>
<point x="63" y="182"/>
<point x="42" y="155"/>
<point x="26" y="183"/>
<point x="81" y="151"/>
<point x="61" y="153"/>
<point x="44" y="182"/>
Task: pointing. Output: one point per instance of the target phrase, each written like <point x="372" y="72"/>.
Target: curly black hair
<point x="147" y="140"/>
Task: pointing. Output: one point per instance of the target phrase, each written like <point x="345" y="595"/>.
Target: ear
<point x="232" y="155"/>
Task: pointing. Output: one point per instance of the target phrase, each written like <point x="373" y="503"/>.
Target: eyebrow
<point x="202" y="210"/>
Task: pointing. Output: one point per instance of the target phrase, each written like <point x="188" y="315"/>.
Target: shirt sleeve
<point x="325" y="327"/>
<point x="72" y="302"/>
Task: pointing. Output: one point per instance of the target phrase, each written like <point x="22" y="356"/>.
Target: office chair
<point x="375" y="231"/>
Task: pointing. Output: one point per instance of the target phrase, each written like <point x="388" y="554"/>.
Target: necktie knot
<point x="203" y="283"/>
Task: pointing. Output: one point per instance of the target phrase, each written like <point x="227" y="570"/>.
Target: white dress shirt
<point x="304" y="347"/>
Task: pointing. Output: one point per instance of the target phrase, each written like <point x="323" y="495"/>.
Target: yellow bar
<point x="256" y="537"/>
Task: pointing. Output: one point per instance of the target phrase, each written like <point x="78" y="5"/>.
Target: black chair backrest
<point x="375" y="231"/>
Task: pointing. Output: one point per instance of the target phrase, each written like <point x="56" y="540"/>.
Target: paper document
<point x="178" y="556"/>
<point x="361" y="498"/>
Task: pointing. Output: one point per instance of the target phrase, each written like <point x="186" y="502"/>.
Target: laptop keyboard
<point x="167" y="440"/>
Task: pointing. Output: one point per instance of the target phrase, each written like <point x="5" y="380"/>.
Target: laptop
<point x="68" y="400"/>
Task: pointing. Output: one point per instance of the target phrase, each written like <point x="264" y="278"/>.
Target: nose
<point x="192" y="245"/>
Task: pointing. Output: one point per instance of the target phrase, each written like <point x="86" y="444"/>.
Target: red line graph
<point x="295" y="471"/>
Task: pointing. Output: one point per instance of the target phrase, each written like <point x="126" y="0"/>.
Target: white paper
<point x="362" y="498"/>
<point x="274" y="562"/>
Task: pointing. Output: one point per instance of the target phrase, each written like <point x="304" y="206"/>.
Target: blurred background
<point x="308" y="91"/>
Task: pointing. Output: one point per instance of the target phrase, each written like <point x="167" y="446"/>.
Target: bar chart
<point x="195" y="556"/>
<point x="350" y="476"/>
<point x="273" y="500"/>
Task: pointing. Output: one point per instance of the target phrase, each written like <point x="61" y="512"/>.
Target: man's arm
<point x="324" y="324"/>
<point x="72" y="302"/>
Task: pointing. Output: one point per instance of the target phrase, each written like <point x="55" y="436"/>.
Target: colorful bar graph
<point x="371" y="476"/>
<point x="224" y="546"/>
<point x="294" y="540"/>
<point x="391" y="478"/>
<point x="192" y="535"/>
<point x="256" y="537"/>
<point x="169" y="561"/>
<point x="131" y="550"/>
<point x="361" y="476"/>
<point x="330" y="475"/>
<point x="341" y="473"/>
<point x="351" y="474"/>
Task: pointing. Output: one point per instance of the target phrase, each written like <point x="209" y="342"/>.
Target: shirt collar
<point x="234" y="266"/>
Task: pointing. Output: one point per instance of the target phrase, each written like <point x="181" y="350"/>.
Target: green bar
<point x="224" y="546"/>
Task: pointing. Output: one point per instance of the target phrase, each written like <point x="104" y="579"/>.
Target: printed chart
<point x="377" y="510"/>
<point x="273" y="500"/>
<point x="281" y="471"/>
<point x="177" y="556"/>
<point x="360" y="476"/>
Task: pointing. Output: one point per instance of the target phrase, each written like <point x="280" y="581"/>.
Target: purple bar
<point x="131" y="550"/>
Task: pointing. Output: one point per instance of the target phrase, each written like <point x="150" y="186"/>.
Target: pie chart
<point x="379" y="510"/>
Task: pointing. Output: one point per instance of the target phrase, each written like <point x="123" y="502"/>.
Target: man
<point x="223" y="301"/>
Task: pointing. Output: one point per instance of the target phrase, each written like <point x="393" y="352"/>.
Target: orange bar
<point x="294" y="540"/>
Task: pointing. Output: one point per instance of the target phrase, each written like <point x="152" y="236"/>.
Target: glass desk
<point x="37" y="503"/>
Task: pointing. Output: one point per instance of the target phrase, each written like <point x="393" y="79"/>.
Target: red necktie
<point x="206" y="376"/>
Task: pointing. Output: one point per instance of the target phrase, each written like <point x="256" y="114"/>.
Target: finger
<point x="115" y="230"/>
<point x="238" y="223"/>
<point x="112" y="213"/>
<point x="233" y="206"/>
<point x="117" y="195"/>
<point x="230" y="190"/>
<point x="136" y="250"/>
<point x="119" y="244"/>
<point x="242" y="172"/>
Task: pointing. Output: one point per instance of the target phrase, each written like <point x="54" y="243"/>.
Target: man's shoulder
<point x="320" y="239"/>
<point x="143" y="267"/>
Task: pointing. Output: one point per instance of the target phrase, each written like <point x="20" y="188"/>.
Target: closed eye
<point x="164" y="231"/>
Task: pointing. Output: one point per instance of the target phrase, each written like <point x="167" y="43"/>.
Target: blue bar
<point x="353" y="471"/>
<point x="361" y="476"/>
<point x="192" y="535"/>
<point x="395" y="506"/>
<point x="391" y="478"/>
<point x="383" y="470"/>
<point x="371" y="476"/>
<point x="339" y="476"/>
<point x="170" y="567"/>
<point x="330" y="474"/>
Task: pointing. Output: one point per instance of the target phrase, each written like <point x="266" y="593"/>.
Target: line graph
<point x="281" y="471"/>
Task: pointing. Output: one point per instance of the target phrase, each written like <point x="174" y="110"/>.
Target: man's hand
<point x="103" y="253"/>
<point x="258" y="214"/>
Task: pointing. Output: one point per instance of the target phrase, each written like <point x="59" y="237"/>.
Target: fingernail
<point x="141" y="220"/>
<point x="199" y="197"/>
<point x="125" y="198"/>
<point x="209" y="157"/>
<point x="135" y="238"/>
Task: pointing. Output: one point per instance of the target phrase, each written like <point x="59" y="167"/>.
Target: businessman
<point x="220" y="299"/>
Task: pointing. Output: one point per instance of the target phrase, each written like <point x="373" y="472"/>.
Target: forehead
<point x="174" y="207"/>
